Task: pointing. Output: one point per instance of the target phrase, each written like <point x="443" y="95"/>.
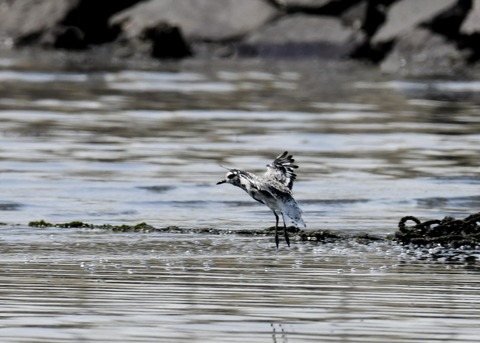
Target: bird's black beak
<point x="220" y="182"/>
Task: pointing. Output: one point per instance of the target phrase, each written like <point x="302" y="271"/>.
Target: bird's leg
<point x="276" y="228"/>
<point x="287" y="239"/>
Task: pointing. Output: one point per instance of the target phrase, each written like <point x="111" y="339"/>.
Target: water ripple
<point x="225" y="288"/>
<point x="124" y="147"/>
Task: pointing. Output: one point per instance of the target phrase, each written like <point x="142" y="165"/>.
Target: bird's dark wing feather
<point x="282" y="170"/>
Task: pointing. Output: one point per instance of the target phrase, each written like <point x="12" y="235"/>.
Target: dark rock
<point x="25" y="22"/>
<point x="303" y="35"/>
<point x="91" y="19"/>
<point x="356" y="16"/>
<point x="448" y="22"/>
<point x="160" y="41"/>
<point x="198" y="20"/>
<point x="65" y="37"/>
<point x="167" y="42"/>
<point x="282" y="28"/>
<point x="320" y="7"/>
<point x="448" y="232"/>
<point x="471" y="25"/>
<point x="421" y="52"/>
<point x="303" y="3"/>
<point x="469" y="33"/>
<point x="66" y="24"/>
<point x="155" y="38"/>
<point x="371" y="14"/>
<point x="368" y="16"/>
<point x="406" y="15"/>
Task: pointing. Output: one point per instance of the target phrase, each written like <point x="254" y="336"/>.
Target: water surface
<point x="123" y="146"/>
<point x="72" y="285"/>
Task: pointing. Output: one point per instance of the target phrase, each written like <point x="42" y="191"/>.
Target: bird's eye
<point x="230" y="176"/>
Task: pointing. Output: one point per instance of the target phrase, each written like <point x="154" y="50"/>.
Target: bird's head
<point x="231" y="177"/>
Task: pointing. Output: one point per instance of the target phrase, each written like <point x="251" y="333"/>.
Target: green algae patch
<point x="74" y="224"/>
<point x="40" y="223"/>
<point x="144" y="227"/>
<point x="448" y="232"/>
<point x="140" y="227"/>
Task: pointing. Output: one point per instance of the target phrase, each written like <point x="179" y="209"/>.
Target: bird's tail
<point x="292" y="213"/>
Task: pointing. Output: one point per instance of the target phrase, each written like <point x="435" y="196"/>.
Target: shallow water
<point x="128" y="146"/>
<point x="76" y="286"/>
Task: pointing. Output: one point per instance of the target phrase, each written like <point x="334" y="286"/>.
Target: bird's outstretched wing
<point x="282" y="170"/>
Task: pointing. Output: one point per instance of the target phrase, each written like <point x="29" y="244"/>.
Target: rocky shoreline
<point x="408" y="37"/>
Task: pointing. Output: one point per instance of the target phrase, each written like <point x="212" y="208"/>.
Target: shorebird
<point x="274" y="189"/>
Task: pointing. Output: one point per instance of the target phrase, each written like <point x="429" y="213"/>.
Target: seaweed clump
<point x="299" y="235"/>
<point x="447" y="232"/>
<point x="143" y="227"/>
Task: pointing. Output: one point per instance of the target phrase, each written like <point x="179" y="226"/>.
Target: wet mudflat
<point x="125" y="146"/>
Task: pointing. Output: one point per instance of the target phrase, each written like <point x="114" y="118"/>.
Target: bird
<point x="273" y="189"/>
